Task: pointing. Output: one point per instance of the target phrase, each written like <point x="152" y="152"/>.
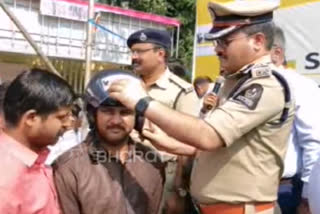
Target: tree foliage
<point x="184" y="10"/>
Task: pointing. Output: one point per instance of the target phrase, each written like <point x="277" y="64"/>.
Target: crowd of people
<point x="148" y="142"/>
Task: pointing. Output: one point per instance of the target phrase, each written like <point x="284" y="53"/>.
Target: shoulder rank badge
<point x="249" y="96"/>
<point x="261" y="70"/>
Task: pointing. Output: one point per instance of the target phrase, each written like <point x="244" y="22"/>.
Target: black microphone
<point x="216" y="89"/>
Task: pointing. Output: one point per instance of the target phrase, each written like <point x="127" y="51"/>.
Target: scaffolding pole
<point x="33" y="44"/>
<point x="89" y="42"/>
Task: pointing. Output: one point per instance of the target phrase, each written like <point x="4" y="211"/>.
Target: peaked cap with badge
<point x="231" y="16"/>
<point x="158" y="37"/>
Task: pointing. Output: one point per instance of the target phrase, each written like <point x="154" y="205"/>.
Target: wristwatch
<point x="182" y="192"/>
<point x="142" y="105"/>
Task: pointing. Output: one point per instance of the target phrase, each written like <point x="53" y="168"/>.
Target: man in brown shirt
<point x="240" y="147"/>
<point x="108" y="173"/>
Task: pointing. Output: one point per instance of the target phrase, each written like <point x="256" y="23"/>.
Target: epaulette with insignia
<point x="187" y="87"/>
<point x="249" y="96"/>
<point x="261" y="70"/>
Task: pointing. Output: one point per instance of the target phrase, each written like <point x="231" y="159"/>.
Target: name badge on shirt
<point x="261" y="70"/>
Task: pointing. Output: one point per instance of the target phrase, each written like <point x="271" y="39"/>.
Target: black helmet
<point x="96" y="92"/>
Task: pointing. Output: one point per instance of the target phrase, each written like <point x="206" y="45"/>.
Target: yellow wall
<point x="294" y="3"/>
<point x="208" y="66"/>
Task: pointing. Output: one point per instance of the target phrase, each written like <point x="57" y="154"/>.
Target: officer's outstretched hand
<point x="128" y="92"/>
<point x="164" y="142"/>
<point x="158" y="138"/>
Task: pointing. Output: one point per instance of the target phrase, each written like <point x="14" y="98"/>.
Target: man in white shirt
<point x="304" y="141"/>
<point x="72" y="137"/>
<point x="314" y="188"/>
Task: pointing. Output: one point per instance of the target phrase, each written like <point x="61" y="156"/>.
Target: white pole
<point x="178" y="38"/>
<point x="89" y="42"/>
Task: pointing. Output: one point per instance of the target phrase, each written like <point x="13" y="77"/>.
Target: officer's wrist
<point x="142" y="105"/>
<point x="181" y="192"/>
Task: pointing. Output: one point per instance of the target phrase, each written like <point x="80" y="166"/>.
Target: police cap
<point x="158" y="37"/>
<point x="230" y="16"/>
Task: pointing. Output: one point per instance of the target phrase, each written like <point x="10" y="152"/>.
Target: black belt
<point x="284" y="181"/>
<point x="296" y="179"/>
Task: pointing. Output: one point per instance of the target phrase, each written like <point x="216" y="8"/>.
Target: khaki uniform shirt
<point x="249" y="167"/>
<point x="89" y="181"/>
<point x="177" y="94"/>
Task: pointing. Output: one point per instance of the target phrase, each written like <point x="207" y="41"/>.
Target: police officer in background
<point x="150" y="54"/>
<point x="241" y="145"/>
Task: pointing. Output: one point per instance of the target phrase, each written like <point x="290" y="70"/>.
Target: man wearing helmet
<point x="108" y="172"/>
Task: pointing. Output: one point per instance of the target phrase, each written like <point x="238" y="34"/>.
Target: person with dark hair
<point x="3" y="88"/>
<point x="37" y="108"/>
<point x="150" y="54"/>
<point x="304" y="141"/>
<point x="109" y="173"/>
<point x="202" y="85"/>
<point x="176" y="67"/>
<point x="240" y="146"/>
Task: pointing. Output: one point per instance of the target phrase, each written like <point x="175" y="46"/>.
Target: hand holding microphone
<point x="211" y="100"/>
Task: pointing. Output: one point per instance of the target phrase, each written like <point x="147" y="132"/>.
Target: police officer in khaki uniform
<point x="240" y="146"/>
<point x="150" y="53"/>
